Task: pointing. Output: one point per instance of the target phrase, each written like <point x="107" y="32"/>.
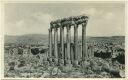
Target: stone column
<point x="50" y="42"/>
<point x="79" y="51"/>
<point x="62" y="41"/>
<point x="91" y="51"/>
<point x="55" y="44"/>
<point x="57" y="36"/>
<point x="72" y="53"/>
<point x="84" y="54"/>
<point x="76" y="43"/>
<point x="68" y="42"/>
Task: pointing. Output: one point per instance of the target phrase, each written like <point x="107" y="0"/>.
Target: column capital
<point x="84" y="23"/>
<point x="68" y="26"/>
<point x="50" y="29"/>
<point x="55" y="28"/>
<point x="76" y="26"/>
<point x="61" y="27"/>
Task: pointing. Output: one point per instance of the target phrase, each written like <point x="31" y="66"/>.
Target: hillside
<point x="27" y="39"/>
<point x="43" y="39"/>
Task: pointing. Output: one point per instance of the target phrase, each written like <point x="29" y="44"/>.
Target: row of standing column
<point x="68" y="55"/>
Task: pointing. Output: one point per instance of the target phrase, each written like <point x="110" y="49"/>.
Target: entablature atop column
<point x="70" y="21"/>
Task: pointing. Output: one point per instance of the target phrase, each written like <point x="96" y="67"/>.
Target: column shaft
<point x="68" y="42"/>
<point x="55" y="44"/>
<point x="84" y="54"/>
<point x="50" y="42"/>
<point x="62" y="41"/>
<point x="75" y="41"/>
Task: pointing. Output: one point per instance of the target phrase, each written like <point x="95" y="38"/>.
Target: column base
<point x="61" y="62"/>
<point x="75" y="63"/>
<point x="56" y="61"/>
<point x="68" y="62"/>
<point x="85" y="63"/>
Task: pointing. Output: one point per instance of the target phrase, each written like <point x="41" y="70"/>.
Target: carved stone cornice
<point x="74" y="20"/>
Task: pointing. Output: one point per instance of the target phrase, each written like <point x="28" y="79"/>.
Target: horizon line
<point x="78" y="35"/>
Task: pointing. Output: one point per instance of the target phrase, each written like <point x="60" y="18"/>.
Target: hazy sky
<point x="106" y="19"/>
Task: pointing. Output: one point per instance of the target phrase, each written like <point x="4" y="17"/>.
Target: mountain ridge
<point x="43" y="38"/>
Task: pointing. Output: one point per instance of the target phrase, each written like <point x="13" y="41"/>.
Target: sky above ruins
<point x="106" y="19"/>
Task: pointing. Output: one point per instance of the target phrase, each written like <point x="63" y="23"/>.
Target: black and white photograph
<point x="64" y="39"/>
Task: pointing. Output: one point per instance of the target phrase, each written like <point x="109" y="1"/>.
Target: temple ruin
<point x="66" y="51"/>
